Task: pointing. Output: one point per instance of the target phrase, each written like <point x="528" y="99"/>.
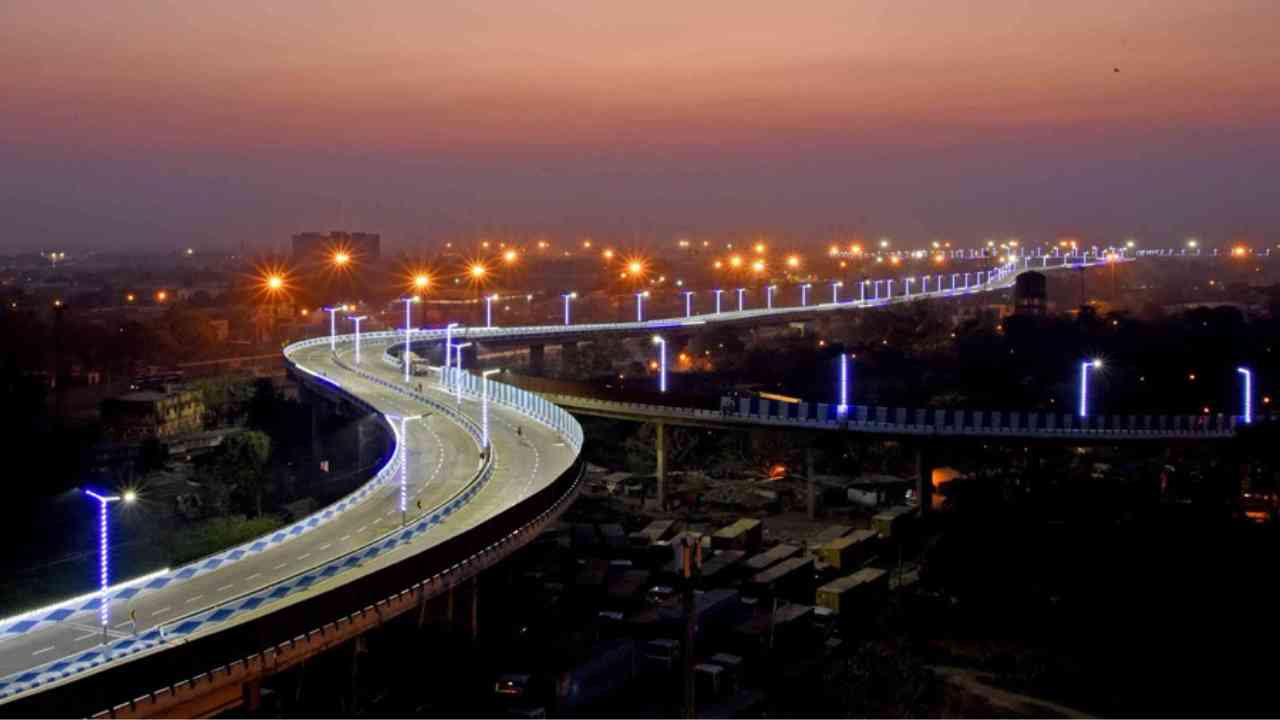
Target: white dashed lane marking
<point x="225" y="587"/>
<point x="161" y="611"/>
<point x="44" y="650"/>
<point x="193" y="599"/>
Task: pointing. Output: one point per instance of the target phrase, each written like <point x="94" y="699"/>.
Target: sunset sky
<point x="158" y="124"/>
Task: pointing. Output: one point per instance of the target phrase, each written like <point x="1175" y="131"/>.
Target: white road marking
<point x="253" y="576"/>
<point x="326" y="546"/>
<point x="344" y="538"/>
<point x="161" y="610"/>
<point x="280" y="566"/>
<point x="361" y="528"/>
<point x="87" y="635"/>
<point x="225" y="587"/>
<point x="304" y="556"/>
<point x="43" y="650"/>
<point x="191" y="600"/>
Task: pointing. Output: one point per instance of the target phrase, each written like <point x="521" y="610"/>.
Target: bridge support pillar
<point x="251" y="693"/>
<point x="924" y="478"/>
<point x="660" y="474"/>
<point x="569" y="355"/>
<point x="810" y="490"/>
<point x="537" y="359"/>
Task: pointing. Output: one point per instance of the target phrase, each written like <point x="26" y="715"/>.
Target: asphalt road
<point x="443" y="458"/>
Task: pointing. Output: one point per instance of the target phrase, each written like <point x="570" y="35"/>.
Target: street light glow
<point x="1248" y="394"/>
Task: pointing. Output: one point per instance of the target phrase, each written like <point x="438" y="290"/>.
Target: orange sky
<point x="649" y="81"/>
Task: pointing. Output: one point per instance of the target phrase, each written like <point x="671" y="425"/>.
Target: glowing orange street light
<point x="1239" y="251"/>
<point x="477" y="271"/>
<point x="735" y="261"/>
<point x="341" y="258"/>
<point x="855" y="249"/>
<point x="717" y="265"/>
<point x="161" y="296"/>
<point x="635" y="267"/>
<point x="130" y="297"/>
<point x="608" y="254"/>
<point x="275" y="282"/>
<point x="759" y="248"/>
<point x="510" y="256"/>
<point x="793" y="261"/>
<point x="757" y="266"/>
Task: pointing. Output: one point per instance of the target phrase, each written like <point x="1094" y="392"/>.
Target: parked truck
<point x="847" y="552"/>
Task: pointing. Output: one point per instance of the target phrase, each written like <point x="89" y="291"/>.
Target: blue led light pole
<point x="356" y="319"/>
<point x="889" y="289"/>
<point x="568" y="297"/>
<point x="662" y="362"/>
<point x="1085" y="367"/>
<point x="488" y="310"/>
<point x="1248" y="394"/>
<point x="804" y="294"/>
<point x="842" y="408"/>
<point x="104" y="559"/>
<point x="741" y="292"/>
<point x="484" y="405"/>
<point x="640" y="296"/>
<point x="333" y="327"/>
<point x="688" y="303"/>
<point x="908" y="283"/>
<point x="407" y="330"/>
<point x="404" y="462"/>
<point x="768" y="296"/>
<point x="448" y="354"/>
<point x="862" y="291"/>
<point x="458" y="379"/>
<point x="718" y="293"/>
<point x="835" y="291"/>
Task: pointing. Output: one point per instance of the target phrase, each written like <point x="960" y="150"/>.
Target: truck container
<point x="613" y="535"/>
<point x="626" y="590"/>
<point x="719" y="566"/>
<point x="847" y="552"/>
<point x="891" y="522"/>
<point x="790" y="579"/>
<point x="654" y="532"/>
<point x="861" y="591"/>
<point x="609" y="668"/>
<point x="827" y="534"/>
<point x="746" y="534"/>
<point x="772" y="556"/>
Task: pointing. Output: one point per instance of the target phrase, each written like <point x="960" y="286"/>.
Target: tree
<point x="239" y="473"/>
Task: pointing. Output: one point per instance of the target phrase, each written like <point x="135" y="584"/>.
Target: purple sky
<point x="153" y="124"/>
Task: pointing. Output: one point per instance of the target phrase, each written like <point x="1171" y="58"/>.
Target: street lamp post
<point x="741" y="292"/>
<point x="408" y="302"/>
<point x="908" y="282"/>
<point x="568" y="297"/>
<point x="688" y="303"/>
<point x="835" y="292"/>
<point x="488" y="310"/>
<point x="484" y="406"/>
<point x="640" y="296"/>
<point x="1085" y="367"/>
<point x="888" y="285"/>
<point x="804" y="294"/>
<point x="104" y="559"/>
<point x="458" y="378"/>
<point x="357" y="319"/>
<point x="662" y="362"/>
<point x="768" y="296"/>
<point x="404" y="463"/>
<point x="718" y="293"/>
<point x="1248" y="394"/>
<point x="448" y="354"/>
<point x="333" y="327"/>
<point x="843" y="407"/>
<point x="862" y="291"/>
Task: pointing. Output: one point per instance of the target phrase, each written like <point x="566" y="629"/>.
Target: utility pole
<point x="691" y="564"/>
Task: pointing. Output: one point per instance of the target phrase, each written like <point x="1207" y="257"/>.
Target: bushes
<point x="210" y="536"/>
